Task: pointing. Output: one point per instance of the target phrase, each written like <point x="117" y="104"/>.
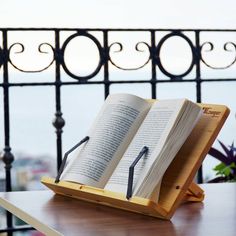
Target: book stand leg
<point x="194" y="194"/>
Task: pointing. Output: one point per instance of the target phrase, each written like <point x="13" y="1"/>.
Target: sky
<point x="118" y="13"/>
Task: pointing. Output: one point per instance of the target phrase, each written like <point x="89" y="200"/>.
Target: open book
<point x="124" y="125"/>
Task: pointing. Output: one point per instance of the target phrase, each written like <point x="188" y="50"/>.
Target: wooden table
<point x="57" y="215"/>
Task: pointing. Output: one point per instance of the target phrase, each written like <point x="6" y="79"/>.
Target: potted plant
<point x="226" y="170"/>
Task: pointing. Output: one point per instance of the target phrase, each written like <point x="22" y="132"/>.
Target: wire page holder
<point x="131" y="168"/>
<point x="131" y="172"/>
<point x="177" y="184"/>
<point x="63" y="164"/>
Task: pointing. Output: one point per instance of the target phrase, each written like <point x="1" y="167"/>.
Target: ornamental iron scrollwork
<point x="100" y="51"/>
<point x="137" y="48"/>
<point x="158" y="58"/>
<point x="211" y="48"/>
<point x="40" y="50"/>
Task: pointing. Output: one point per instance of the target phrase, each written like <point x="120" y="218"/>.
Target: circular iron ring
<point x="100" y="50"/>
<point x="158" y="50"/>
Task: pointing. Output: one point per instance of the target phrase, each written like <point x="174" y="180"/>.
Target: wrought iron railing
<point x="106" y="47"/>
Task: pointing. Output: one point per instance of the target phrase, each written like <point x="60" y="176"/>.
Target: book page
<point x="111" y="133"/>
<point x="185" y="121"/>
<point x="153" y="133"/>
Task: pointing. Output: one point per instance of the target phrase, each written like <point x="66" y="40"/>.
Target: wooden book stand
<point x="177" y="183"/>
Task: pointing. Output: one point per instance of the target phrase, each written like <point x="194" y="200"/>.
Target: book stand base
<point x="112" y="199"/>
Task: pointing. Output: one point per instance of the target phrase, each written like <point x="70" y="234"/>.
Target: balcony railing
<point x="150" y="44"/>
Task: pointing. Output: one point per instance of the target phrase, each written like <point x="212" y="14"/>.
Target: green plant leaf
<point x="224" y="170"/>
<point x="219" y="167"/>
<point x="227" y="171"/>
<point x="232" y="165"/>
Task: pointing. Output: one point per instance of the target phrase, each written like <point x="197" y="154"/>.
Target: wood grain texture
<point x="59" y="215"/>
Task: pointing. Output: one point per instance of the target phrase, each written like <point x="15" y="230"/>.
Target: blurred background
<point x="65" y="57"/>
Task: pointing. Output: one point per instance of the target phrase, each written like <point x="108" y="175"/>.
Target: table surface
<point x="58" y="215"/>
